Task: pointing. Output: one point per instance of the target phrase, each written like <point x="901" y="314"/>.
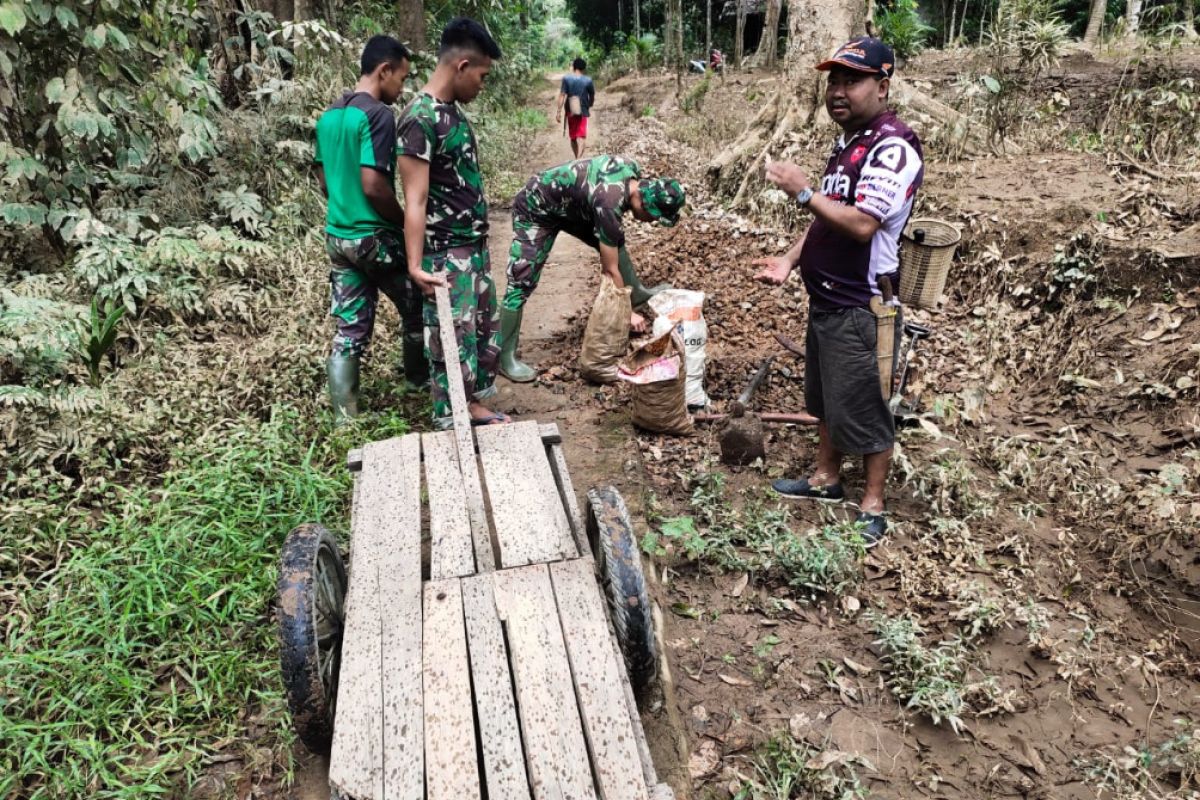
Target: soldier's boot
<point x="342" y="372"/>
<point x="639" y="294"/>
<point x="416" y="366"/>
<point x="510" y="337"/>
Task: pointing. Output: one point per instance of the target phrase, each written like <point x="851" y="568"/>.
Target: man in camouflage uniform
<point x="356" y="167"/>
<point x="585" y="198"/>
<point x="445" y="218"/>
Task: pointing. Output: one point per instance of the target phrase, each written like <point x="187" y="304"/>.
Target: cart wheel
<point x="312" y="596"/>
<point x="616" y="550"/>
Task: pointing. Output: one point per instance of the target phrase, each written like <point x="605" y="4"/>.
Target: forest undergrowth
<point x="163" y="319"/>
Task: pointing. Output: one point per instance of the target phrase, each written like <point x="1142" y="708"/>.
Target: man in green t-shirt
<point x="445" y="222"/>
<point x="356" y="165"/>
<point x="588" y="199"/>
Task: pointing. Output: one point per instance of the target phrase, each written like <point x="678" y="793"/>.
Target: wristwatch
<point x="804" y="195"/>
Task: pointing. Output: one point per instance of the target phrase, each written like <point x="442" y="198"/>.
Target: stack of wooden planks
<point x="499" y="674"/>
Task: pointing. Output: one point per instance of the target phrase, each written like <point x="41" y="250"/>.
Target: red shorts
<point x="576" y="127"/>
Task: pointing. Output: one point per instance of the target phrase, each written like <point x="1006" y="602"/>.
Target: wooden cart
<point x="500" y="675"/>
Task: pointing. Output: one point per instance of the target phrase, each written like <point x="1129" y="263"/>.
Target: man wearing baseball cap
<point x="859" y="209"/>
<point x="587" y="199"/>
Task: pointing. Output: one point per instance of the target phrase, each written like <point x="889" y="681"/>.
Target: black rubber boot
<point x="342" y="372"/>
<point x="639" y="294"/>
<point x="510" y="337"/>
<point x="416" y="365"/>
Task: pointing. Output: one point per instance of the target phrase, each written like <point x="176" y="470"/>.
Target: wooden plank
<point x="451" y="553"/>
<point x="531" y="525"/>
<point x="398" y="526"/>
<point x="485" y="559"/>
<point x="555" y="751"/>
<point x="451" y="766"/>
<point x="635" y="720"/>
<point x="566" y="491"/>
<point x="499" y="731"/>
<point x="595" y="673"/>
<point x="356" y="758"/>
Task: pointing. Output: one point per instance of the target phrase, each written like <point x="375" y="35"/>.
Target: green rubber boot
<point x="416" y="366"/>
<point x="510" y="337"/>
<point x="342" y="372"/>
<point x="639" y="294"/>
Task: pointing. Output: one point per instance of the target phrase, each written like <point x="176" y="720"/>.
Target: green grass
<point x="785" y="768"/>
<point x="760" y="538"/>
<point x="152" y="645"/>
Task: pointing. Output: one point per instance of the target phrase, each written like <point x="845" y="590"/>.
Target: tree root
<point x="732" y="172"/>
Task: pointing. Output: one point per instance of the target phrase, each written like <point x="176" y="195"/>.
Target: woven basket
<point x="923" y="267"/>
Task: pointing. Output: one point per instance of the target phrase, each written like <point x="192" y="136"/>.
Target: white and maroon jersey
<point x="878" y="171"/>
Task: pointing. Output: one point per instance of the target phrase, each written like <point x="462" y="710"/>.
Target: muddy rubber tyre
<point x="311" y="609"/>
<point x="615" y="547"/>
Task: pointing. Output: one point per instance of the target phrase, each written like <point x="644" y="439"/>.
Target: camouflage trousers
<point x="533" y="239"/>
<point x="476" y="325"/>
<point x="362" y="268"/>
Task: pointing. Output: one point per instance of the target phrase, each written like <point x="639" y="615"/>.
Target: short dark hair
<point x="579" y="64"/>
<point x="382" y="49"/>
<point x="464" y="33"/>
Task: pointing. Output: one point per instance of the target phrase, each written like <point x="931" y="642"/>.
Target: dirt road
<point x="599" y="445"/>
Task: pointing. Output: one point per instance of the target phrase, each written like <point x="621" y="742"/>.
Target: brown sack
<point x="656" y="370"/>
<point x="606" y="337"/>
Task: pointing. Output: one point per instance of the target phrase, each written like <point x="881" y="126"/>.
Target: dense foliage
<point x="162" y="318"/>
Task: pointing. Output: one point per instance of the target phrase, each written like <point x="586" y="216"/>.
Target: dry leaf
<point x="733" y="680"/>
<point x="1030" y="757"/>
<point x="826" y="759"/>
<point x="856" y="668"/>
<point x="739" y="585"/>
<point x="705" y="759"/>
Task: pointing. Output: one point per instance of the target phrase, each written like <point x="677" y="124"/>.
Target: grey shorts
<point x="841" y="380"/>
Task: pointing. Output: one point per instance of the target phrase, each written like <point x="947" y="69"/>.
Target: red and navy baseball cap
<point x="864" y="54"/>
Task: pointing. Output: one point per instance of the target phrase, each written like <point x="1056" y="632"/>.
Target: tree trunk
<point x="637" y="19"/>
<point x="1091" y="36"/>
<point x="1189" y="19"/>
<point x="769" y="43"/>
<point x="1133" y="17"/>
<point x="411" y="23"/>
<point x="673" y="34"/>
<point x="707" y="29"/>
<point x="739" y="40"/>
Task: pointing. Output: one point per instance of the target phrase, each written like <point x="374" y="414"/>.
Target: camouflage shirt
<point x="592" y="191"/>
<point x="438" y="133"/>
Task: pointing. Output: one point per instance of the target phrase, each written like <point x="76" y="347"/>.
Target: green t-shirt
<point x="356" y="131"/>
<point x="439" y="133"/>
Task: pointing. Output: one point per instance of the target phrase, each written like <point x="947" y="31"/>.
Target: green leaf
<point x="676" y="527"/>
<point x="23" y="213"/>
<point x="66" y="17"/>
<point x="991" y="83"/>
<point x="55" y="90"/>
<point x="12" y="18"/>
<point x="95" y="37"/>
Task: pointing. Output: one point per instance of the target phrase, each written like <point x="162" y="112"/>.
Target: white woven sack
<point x="684" y="309"/>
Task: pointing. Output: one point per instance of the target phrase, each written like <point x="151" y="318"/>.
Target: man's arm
<point x="778" y="268"/>
<point x="610" y="265"/>
<point x="846" y="220"/>
<point x="321" y="181"/>
<point x="414" y="173"/>
<point x="380" y="195"/>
